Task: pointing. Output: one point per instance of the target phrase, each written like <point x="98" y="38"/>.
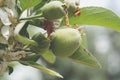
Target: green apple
<point x="72" y="8"/>
<point x="53" y="10"/>
<point x="65" y="41"/>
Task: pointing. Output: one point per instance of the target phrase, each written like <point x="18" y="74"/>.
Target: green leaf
<point x="96" y="16"/>
<point x="36" y="22"/>
<point x="31" y="57"/>
<point x="42" y="68"/>
<point x="28" y="3"/>
<point x="23" y="31"/>
<point x="38" y="6"/>
<point x="21" y="38"/>
<point x="49" y="56"/>
<point x="83" y="56"/>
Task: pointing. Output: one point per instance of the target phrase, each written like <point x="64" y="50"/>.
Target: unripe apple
<point x="65" y="41"/>
<point x="72" y="8"/>
<point x="43" y="43"/>
<point x="53" y="10"/>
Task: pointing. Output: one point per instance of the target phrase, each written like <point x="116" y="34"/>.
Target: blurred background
<point x="103" y="43"/>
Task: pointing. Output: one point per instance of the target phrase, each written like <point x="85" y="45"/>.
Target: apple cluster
<point x="63" y="41"/>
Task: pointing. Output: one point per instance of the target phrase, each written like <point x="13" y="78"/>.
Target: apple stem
<point x="66" y="16"/>
<point x="32" y="17"/>
<point x="67" y="19"/>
